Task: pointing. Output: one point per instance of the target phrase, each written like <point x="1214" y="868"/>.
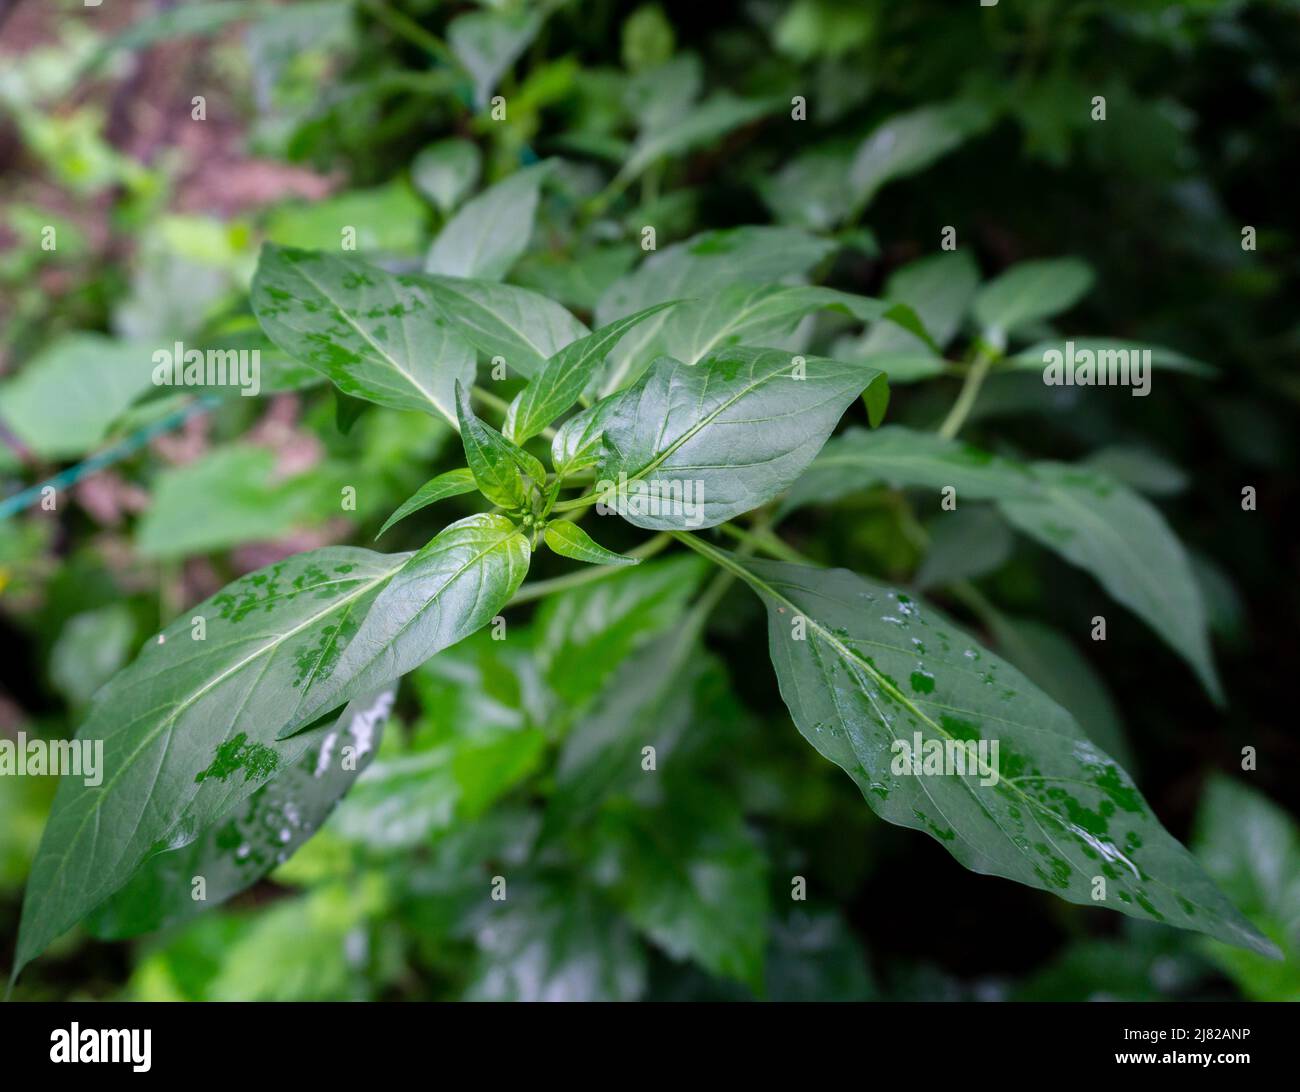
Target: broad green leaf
<point x="691" y="878"/>
<point x="487" y="43"/>
<point x="744" y="314"/>
<point x="562" y="379"/>
<point x="62" y="401"/>
<point x="702" y="264"/>
<point x="189" y="729"/>
<point x="258" y="834"/>
<point x="521" y="327"/>
<point x="862" y="666"/>
<point x="488" y="234"/>
<point x="908" y="143"/>
<point x="374" y="335"/>
<point x="694" y="445"/>
<point x="1031" y="359"/>
<point x="446" y="171"/>
<point x="585" y="633"/>
<point x="569" y="540"/>
<point x="91" y="647"/>
<point x="1139" y="468"/>
<point x="229" y="496"/>
<point x="1052" y="663"/>
<point x="968" y="542"/>
<point x="452" y="587"/>
<point x="578" y="442"/>
<point x="1085" y="517"/>
<point x="451" y="484"/>
<point x="500" y="469"/>
<point x="387" y="218"/>
<point x="705" y="122"/>
<point x="809" y="191"/>
<point x="1029" y="292"/>
<point x="548" y="942"/>
<point x="1252" y="849"/>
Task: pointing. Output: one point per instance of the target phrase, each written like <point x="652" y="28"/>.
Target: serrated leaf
<point x="500" y="469"/>
<point x="189" y="729"/>
<point x="451" y="484"/>
<point x="561" y="380"/>
<point x="522" y="327"/>
<point x="1088" y="519"/>
<point x="446" y="171"/>
<point x="452" y="587"/>
<point x="260" y="833"/>
<point x="376" y="336"/>
<point x="489" y="233"/>
<point x="721" y="437"/>
<point x="1029" y="292"/>
<point x="569" y="540"/>
<point x="702" y="264"/>
<point x="870" y="667"/>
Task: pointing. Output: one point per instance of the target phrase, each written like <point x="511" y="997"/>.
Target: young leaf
<point x="723" y="436"/>
<point x="498" y="466"/>
<point x="446" y="171"/>
<point x="189" y="729"/>
<point x="561" y="380"/>
<point x="374" y="335"/>
<point x="863" y="666"/>
<point x="1030" y="292"/>
<point x="523" y="328"/>
<point x="451" y="484"/>
<point x="490" y="232"/>
<point x="257" y="835"/>
<point x="569" y="540"/>
<point x="702" y="264"/>
<point x="452" y="587"/>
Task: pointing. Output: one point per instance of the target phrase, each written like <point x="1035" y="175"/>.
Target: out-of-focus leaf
<point x="488" y="42"/>
<point x="386" y="219"/>
<point x="1029" y="292"/>
<point x="1139" y="468"/>
<point x="446" y="171"/>
<point x="486" y="237"/>
<point x="1031" y="359"/>
<point x="90" y="649"/>
<point x="965" y="543"/>
<point x="708" y="121"/>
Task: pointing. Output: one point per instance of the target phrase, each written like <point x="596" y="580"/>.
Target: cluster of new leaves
<point x="223" y="741"/>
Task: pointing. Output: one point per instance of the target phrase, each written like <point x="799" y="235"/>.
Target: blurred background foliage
<point x="375" y="114"/>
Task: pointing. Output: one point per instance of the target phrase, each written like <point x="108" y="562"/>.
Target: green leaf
<point x="569" y="540"/>
<point x="579" y="442"/>
<point x="91" y="647"/>
<point x="1139" y="468"/>
<point x="490" y="232"/>
<point x="908" y="143"/>
<point x="744" y="314"/>
<point x="721" y="437"/>
<point x="189" y="729"/>
<point x="524" y="328"/>
<point x="388" y="218"/>
<point x="1085" y="517"/>
<point x="702" y="264"/>
<point x="499" y="467"/>
<point x="1030" y="292"/>
<point x="1252" y="849"/>
<point x="968" y="542"/>
<point x="862" y="666"/>
<point x="62" y="401"/>
<point x="691" y="878"/>
<point x="451" y="484"/>
<point x="562" y="379"/>
<point x="701" y="124"/>
<point x="452" y="587"/>
<point x="487" y="43"/>
<point x="446" y="171"/>
<point x="808" y="191"/>
<point x="257" y="835"/>
<point x="374" y="335"/>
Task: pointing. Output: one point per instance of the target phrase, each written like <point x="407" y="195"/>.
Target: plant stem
<point x="762" y="538"/>
<point x="970" y="389"/>
<point x="404" y="26"/>
<point x="539" y="588"/>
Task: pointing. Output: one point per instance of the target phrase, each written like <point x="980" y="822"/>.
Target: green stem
<point x="762" y="538"/>
<point x="970" y="389"/>
<point x="539" y="588"/>
<point x="404" y="26"/>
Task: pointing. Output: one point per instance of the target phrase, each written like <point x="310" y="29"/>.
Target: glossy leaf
<point x="569" y="540"/>
<point x="564" y="376"/>
<point x="721" y="437"/>
<point x="488" y="234"/>
<point x="500" y="469"/>
<point x="451" y="484"/>
<point x="376" y="336"/>
<point x="871" y="666"/>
